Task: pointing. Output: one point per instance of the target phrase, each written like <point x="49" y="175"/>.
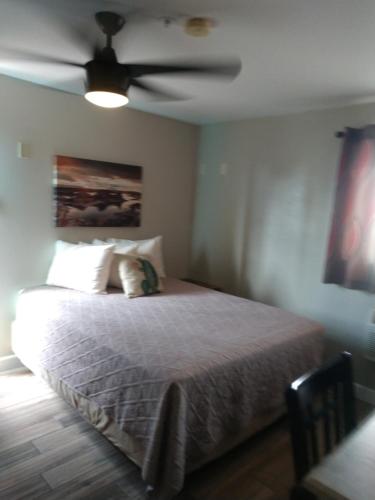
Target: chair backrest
<point x="321" y="409"/>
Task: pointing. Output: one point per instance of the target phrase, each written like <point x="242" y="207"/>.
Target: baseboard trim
<point x="365" y="393"/>
<point x="10" y="363"/>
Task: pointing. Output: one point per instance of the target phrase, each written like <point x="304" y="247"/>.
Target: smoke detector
<point x="199" y="26"/>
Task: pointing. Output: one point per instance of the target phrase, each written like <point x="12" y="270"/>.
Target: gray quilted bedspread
<point x="179" y="372"/>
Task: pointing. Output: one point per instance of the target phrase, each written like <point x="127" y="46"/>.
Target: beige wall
<point x="53" y="122"/>
<point x="261" y="231"/>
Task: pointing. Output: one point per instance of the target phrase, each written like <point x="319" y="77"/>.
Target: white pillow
<point x="151" y="248"/>
<point x="114" y="279"/>
<point x="82" y="267"/>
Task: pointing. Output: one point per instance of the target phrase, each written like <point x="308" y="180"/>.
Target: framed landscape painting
<point x="95" y="193"/>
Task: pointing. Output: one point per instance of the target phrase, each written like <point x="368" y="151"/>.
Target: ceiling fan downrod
<point x="110" y="23"/>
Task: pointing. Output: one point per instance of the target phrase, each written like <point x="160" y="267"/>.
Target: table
<point x="349" y="471"/>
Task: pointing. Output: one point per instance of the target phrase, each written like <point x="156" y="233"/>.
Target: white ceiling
<point x="296" y="54"/>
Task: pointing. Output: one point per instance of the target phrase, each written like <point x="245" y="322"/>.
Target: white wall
<point x="261" y="231"/>
<point x="51" y="123"/>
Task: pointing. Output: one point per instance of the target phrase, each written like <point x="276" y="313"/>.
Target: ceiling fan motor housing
<point x="106" y="77"/>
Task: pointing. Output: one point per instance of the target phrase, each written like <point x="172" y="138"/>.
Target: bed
<point x="174" y="380"/>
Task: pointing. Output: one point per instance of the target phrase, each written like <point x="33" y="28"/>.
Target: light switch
<point x="23" y="150"/>
<point x="223" y="169"/>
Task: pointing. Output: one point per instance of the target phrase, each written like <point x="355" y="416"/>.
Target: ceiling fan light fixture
<point x="106" y="85"/>
<point x="106" y="99"/>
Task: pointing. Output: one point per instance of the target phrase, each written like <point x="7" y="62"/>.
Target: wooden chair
<point x="321" y="410"/>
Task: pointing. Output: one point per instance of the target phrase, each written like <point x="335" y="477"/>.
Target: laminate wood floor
<point x="48" y="451"/>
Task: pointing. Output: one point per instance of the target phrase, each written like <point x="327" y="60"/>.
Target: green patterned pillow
<point x="138" y="276"/>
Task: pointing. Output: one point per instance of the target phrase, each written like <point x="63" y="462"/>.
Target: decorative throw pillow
<point x="138" y="276"/>
<point x="151" y="249"/>
<point x="81" y="267"/>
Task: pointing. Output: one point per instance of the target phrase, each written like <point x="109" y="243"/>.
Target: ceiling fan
<point x="108" y="81"/>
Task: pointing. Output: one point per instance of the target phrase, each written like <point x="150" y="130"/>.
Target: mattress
<point x="174" y="379"/>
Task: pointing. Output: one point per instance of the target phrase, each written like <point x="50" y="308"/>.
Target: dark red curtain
<point x="351" y="250"/>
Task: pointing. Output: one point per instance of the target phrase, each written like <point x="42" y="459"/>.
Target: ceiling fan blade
<point x="158" y="92"/>
<point x="24" y="55"/>
<point x="79" y="36"/>
<point x="225" y="69"/>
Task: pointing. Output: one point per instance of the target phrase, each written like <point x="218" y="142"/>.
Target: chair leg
<point x="300" y="493"/>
